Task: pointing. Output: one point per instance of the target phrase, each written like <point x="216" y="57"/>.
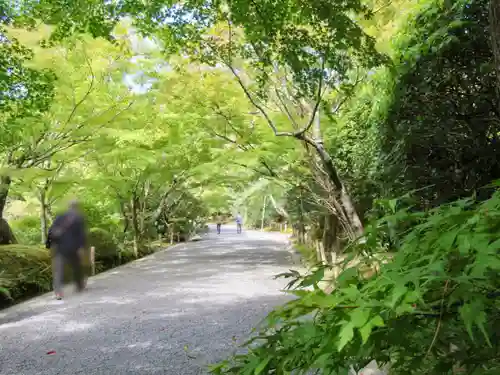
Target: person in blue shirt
<point x="239" y="222"/>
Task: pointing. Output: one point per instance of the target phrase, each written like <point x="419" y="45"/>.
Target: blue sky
<point x="138" y="82"/>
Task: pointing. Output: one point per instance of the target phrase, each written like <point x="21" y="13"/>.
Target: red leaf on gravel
<point x="50" y="352"/>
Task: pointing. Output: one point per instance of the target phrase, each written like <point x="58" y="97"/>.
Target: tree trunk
<point x="43" y="215"/>
<point x="351" y="213"/>
<point x="123" y="210"/>
<point x="320" y="249"/>
<point x="345" y="199"/>
<point x="6" y="234"/>
<point x="263" y="214"/>
<point x="494" y="19"/>
<point x="301" y="225"/>
<point x="159" y="210"/>
<point x="279" y="210"/>
<point x="5" y="182"/>
<point x="135" y="224"/>
<point x="330" y="239"/>
<point x="327" y="161"/>
<point x="143" y="205"/>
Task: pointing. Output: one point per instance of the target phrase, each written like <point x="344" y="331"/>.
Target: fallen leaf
<point x="50" y="352"/>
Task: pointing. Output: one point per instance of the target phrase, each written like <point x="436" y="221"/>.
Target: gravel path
<point x="138" y="319"/>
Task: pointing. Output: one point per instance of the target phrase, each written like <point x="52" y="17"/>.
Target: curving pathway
<point x="139" y="318"/>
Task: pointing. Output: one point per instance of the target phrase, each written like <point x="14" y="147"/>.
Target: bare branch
<point x="87" y="93"/>
<point x="340" y="104"/>
<point x="216" y="108"/>
<point x="58" y="147"/>
<point x="270" y="173"/>
<point x="319" y="98"/>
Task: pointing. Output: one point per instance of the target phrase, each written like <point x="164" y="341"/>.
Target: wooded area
<point x="369" y="127"/>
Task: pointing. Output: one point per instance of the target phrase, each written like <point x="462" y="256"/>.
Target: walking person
<point x="219" y="222"/>
<point x="67" y="240"/>
<point x="239" y="223"/>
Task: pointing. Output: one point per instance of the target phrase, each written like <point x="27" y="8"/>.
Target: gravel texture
<point x="139" y="318"/>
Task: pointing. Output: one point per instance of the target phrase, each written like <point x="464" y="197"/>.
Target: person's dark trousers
<point x="238" y="228"/>
<point x="219" y="227"/>
<point x="75" y="261"/>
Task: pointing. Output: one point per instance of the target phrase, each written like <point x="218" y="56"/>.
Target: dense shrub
<point x="27" y="230"/>
<point x="24" y="271"/>
<point x="127" y="252"/>
<point x="107" y="252"/>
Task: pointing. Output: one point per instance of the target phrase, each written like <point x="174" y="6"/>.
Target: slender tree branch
<point x="87" y="93"/>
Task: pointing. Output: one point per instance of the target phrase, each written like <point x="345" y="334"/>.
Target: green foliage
<point x="27" y="230"/>
<point x="307" y="254"/>
<point x="24" y="92"/>
<point x="100" y="215"/>
<point x="386" y="145"/>
<point x="278" y="31"/>
<point x="461" y="154"/>
<point x="432" y="307"/>
<point x="24" y="271"/>
<point x="106" y="249"/>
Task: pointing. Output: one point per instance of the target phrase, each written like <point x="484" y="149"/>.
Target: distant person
<point x="239" y="222"/>
<point x="67" y="239"/>
<point x="219" y="222"/>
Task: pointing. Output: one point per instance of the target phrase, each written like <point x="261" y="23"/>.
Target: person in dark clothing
<point x="219" y="222"/>
<point x="67" y="239"/>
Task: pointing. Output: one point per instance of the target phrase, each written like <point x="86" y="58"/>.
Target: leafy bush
<point x="145" y="250"/>
<point x="27" y="230"/>
<point x="126" y="255"/>
<point x="98" y="216"/>
<point x="24" y="271"/>
<point x="106" y="249"/>
<point x="432" y="309"/>
<point x="307" y="253"/>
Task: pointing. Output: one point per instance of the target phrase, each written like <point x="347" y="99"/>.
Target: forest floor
<point x="173" y="312"/>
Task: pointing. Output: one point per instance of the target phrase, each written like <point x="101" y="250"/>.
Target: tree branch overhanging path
<point x="348" y="210"/>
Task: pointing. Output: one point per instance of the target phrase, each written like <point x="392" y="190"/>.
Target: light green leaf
<point x="467" y="314"/>
<point x="494" y="246"/>
<point x="366" y="330"/>
<point x="262" y="366"/>
<point x="324" y="300"/>
<point x="359" y="317"/>
<point x="321" y="360"/>
<point x="347" y="275"/>
<point x="464" y="244"/>
<point x="377" y="321"/>
<point x="480" y="321"/>
<point x="392" y="204"/>
<point x="447" y="239"/>
<point x="314" y="278"/>
<point x="345" y="335"/>
<point x="399" y="291"/>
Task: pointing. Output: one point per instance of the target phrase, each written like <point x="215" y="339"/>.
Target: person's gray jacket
<point x="72" y="233"/>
